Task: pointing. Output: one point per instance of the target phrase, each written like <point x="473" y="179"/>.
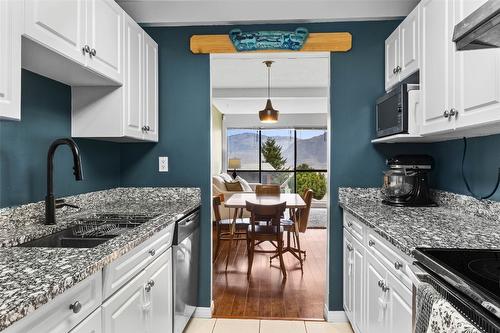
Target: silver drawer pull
<point x="76" y="307"/>
<point x="371" y="243"/>
<point x="152" y="252"/>
<point x="380" y="283"/>
<point x="349" y="224"/>
<point x="385" y="288"/>
<point x="398" y="265"/>
<point x="349" y="247"/>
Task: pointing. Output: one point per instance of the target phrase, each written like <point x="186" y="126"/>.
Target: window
<point x="293" y="158"/>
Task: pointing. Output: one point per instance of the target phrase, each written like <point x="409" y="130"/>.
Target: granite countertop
<point x="30" y="277"/>
<point x="458" y="222"/>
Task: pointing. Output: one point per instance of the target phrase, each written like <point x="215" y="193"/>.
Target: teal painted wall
<point x="46" y="115"/>
<point x="357" y="80"/>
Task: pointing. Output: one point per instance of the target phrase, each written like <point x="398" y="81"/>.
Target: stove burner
<point x="486" y="268"/>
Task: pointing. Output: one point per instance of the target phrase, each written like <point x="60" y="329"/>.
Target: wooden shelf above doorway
<point x="316" y="42"/>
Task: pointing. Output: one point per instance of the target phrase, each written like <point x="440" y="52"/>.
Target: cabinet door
<point x="124" y="312"/>
<point x="150" y="88"/>
<point x="58" y="25"/>
<point x="391" y="60"/>
<point x="348" y="273"/>
<point x="105" y="38"/>
<point x="133" y="81"/>
<point x="160" y="295"/>
<point x="358" y="286"/>
<point x="409" y="44"/>
<point x="477" y="87"/>
<point x="10" y="59"/>
<point x="400" y="309"/>
<point x="91" y="324"/>
<point x="436" y="74"/>
<point x="376" y="299"/>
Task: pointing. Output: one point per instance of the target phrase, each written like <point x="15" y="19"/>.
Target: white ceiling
<point x="210" y="12"/>
<point x="299" y="82"/>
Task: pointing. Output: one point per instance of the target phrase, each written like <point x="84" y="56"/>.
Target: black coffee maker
<point x="406" y="181"/>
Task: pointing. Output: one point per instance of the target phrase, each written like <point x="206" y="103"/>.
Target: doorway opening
<point x="293" y="155"/>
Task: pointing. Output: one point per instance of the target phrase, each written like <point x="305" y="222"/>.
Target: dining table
<point x="238" y="202"/>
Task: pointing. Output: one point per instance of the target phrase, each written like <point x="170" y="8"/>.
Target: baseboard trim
<point x="202" y="312"/>
<point x="334" y="316"/>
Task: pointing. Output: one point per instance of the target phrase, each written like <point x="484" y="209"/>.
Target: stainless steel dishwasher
<point x="185" y="268"/>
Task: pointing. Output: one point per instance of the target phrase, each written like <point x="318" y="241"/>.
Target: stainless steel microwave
<point x="392" y="111"/>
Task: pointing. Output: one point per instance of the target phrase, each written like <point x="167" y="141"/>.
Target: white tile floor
<point x="199" y="325"/>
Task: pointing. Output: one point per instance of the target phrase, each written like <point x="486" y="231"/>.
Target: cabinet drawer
<point x="125" y="268"/>
<point x="354" y="226"/>
<point x="395" y="262"/>
<point x="56" y="316"/>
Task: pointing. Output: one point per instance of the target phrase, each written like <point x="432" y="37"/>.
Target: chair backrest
<point x="304" y="212"/>
<point x="216" y="202"/>
<point x="269" y="213"/>
<point x="268" y="189"/>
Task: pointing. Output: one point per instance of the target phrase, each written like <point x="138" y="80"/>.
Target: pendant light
<point x="269" y="115"/>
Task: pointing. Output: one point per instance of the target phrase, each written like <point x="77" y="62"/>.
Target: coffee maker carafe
<point x="406" y="181"/>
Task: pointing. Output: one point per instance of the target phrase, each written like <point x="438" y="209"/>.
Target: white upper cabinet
<point x="477" y="85"/>
<point x="58" y="24"/>
<point x="436" y="75"/>
<point x="105" y="38"/>
<point x="77" y="42"/>
<point x="127" y="113"/>
<point x="10" y="59"/>
<point x="402" y="50"/>
<point x="150" y="89"/>
<point x="409" y="39"/>
<point x="392" y="60"/>
<point x="134" y="79"/>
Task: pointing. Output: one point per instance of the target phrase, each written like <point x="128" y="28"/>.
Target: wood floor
<point x="301" y="296"/>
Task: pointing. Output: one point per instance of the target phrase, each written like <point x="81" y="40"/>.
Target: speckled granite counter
<point x="30" y="277"/>
<point x="458" y="222"/>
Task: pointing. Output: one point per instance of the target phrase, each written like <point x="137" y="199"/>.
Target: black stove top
<point x="476" y="273"/>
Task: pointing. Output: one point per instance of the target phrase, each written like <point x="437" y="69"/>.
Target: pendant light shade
<point x="269" y="115"/>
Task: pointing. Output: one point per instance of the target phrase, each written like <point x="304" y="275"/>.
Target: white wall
<point x="285" y="121"/>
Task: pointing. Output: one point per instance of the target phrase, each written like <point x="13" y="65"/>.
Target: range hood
<point x="481" y="29"/>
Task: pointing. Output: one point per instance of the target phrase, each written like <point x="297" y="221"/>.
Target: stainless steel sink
<point x="90" y="232"/>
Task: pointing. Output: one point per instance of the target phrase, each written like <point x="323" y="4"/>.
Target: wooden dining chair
<point x="220" y="224"/>
<point x="269" y="189"/>
<point x="272" y="232"/>
<point x="295" y="225"/>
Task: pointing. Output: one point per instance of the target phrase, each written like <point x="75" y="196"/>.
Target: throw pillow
<point x="226" y="177"/>
<point x="233" y="186"/>
<point x="244" y="184"/>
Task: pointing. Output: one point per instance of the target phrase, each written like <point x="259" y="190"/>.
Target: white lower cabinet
<point x="145" y="303"/>
<point x="377" y="296"/>
<point x="91" y="324"/>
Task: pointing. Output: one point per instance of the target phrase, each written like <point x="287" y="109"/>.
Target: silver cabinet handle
<point x="349" y="224"/>
<point x="86" y="49"/>
<point x="398" y="69"/>
<point x="149" y="285"/>
<point x="446" y="114"/>
<point x="349" y="247"/>
<point x="453" y="112"/>
<point x="380" y="283"/>
<point x="394" y="70"/>
<point x="152" y="252"/>
<point x="148" y="128"/>
<point x="93" y="52"/>
<point x="76" y="307"/>
<point x="371" y="243"/>
<point x="385" y="288"/>
<point x="398" y="265"/>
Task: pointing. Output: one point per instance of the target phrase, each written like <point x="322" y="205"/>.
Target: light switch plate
<point x="163" y="164"/>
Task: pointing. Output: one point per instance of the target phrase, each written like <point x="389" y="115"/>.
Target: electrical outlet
<point x="163" y="164"/>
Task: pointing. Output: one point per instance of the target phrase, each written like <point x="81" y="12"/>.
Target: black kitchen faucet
<point x="50" y="202"/>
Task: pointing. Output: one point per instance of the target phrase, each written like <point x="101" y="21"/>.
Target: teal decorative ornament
<point x="268" y="40"/>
